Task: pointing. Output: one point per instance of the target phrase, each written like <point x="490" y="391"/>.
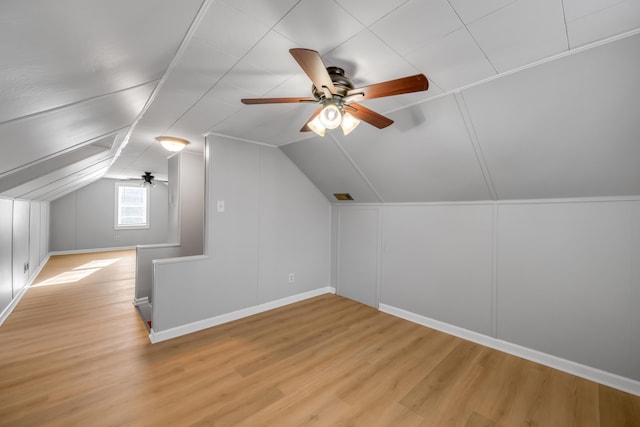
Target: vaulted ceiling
<point x="527" y="98"/>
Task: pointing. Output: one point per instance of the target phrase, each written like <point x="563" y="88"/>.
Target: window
<point x="132" y="206"/>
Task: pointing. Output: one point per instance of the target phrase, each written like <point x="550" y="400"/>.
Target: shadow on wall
<point x="409" y="118"/>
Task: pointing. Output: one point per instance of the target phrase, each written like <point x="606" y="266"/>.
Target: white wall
<point x="561" y="277"/>
<point x="20" y="250"/>
<point x="186" y="202"/>
<point x="567" y="281"/>
<point x="275" y="223"/>
<point x="24" y="229"/>
<point x="84" y="219"/>
<point x="6" y="260"/>
<point x="358" y="254"/>
<point x="437" y="262"/>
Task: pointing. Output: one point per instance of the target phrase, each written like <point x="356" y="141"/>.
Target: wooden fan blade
<point x="369" y="116"/>
<point x="306" y="127"/>
<point x="311" y="63"/>
<point x="409" y="84"/>
<point x="250" y="101"/>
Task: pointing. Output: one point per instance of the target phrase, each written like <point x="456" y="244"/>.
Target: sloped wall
<point x="560" y="277"/>
<point x="560" y="129"/>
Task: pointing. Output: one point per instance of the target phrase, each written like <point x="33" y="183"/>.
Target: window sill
<point x="131" y="227"/>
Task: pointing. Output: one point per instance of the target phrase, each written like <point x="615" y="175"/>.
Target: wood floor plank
<point x="618" y="408"/>
<point x="75" y="353"/>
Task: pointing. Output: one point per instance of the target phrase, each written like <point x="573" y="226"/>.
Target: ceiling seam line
<point x="173" y="64"/>
<point x="475" y="144"/>
<point x="98" y="157"/>
<point x="249" y="141"/>
<point x="464" y="24"/>
<point x="525" y="67"/>
<point x="59" y="192"/>
<point x="154" y="93"/>
<point x="76" y="103"/>
<point x="61" y="152"/>
<point x="374" y="22"/>
<point x="566" y="28"/>
<point x="403" y="56"/>
<point x="358" y="170"/>
<point x="272" y="28"/>
<point x="84" y="169"/>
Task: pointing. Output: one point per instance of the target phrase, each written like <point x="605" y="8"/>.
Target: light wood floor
<point x="77" y="354"/>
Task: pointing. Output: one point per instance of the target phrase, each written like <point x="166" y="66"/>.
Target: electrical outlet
<point x="25" y="267"/>
<point x="220" y="206"/>
<point x="292" y="278"/>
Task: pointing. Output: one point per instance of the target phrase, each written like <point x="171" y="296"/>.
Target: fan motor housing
<point x="339" y="80"/>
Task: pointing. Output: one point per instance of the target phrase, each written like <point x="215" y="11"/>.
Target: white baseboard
<point x="140" y="301"/>
<point x="593" y="374"/>
<point x="158" y="336"/>
<point x="14" y="302"/>
<point x="88" y="251"/>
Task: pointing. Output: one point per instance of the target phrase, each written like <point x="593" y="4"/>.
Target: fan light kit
<point x="172" y="143"/>
<point x="335" y="92"/>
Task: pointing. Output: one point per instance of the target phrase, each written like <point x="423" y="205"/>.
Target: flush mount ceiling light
<point x="172" y="143"/>
<point x="339" y="98"/>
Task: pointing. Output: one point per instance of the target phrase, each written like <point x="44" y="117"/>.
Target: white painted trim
<point x="475" y="144"/>
<point x="179" y="260"/>
<point x="158" y="246"/>
<point x="234" y="138"/>
<point x="500" y="75"/>
<point x="140" y="301"/>
<point x="452" y="203"/>
<point x="401" y="204"/>
<point x="172" y="65"/>
<point x="593" y="374"/>
<point x="571" y="200"/>
<point x="606" y="199"/>
<point x="569" y="52"/>
<point x="88" y="251"/>
<point x="14" y="302"/>
<point x="158" y="336"/>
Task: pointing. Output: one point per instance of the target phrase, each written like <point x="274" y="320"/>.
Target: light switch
<point x="220" y="206"/>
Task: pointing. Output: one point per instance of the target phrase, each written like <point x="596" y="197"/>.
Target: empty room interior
<point x="330" y="213"/>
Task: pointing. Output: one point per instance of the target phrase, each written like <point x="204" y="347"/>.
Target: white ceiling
<point x="527" y="98"/>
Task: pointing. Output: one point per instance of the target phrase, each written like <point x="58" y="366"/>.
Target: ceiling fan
<point x="147" y="179"/>
<point x="338" y="98"/>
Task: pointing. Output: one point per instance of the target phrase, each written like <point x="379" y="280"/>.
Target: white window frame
<point x="116" y="212"/>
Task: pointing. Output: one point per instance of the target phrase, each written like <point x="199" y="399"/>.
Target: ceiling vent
<point x="342" y="196"/>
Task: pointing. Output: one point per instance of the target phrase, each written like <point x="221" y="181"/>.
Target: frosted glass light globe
<point x="330" y="116"/>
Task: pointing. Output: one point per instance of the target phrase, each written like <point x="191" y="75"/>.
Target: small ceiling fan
<point x="147" y="179"/>
<point x="338" y="98"/>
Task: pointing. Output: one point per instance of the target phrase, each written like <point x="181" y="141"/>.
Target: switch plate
<point x="292" y="278"/>
<point x="220" y="206"/>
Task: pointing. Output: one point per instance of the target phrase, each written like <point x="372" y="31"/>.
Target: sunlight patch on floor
<point x="99" y="263"/>
<point x="78" y="273"/>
